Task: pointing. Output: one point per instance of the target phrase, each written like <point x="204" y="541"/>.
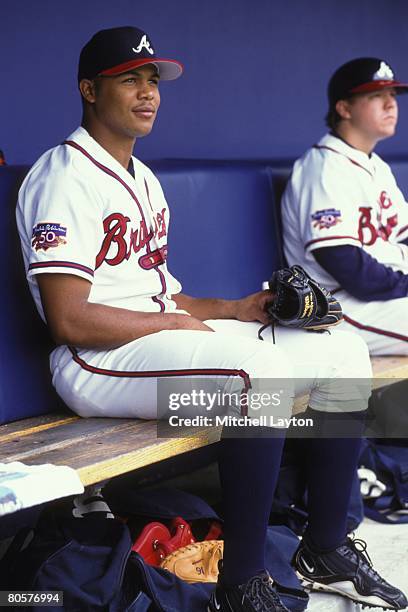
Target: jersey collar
<point x="355" y="155"/>
<point x="83" y="138"/>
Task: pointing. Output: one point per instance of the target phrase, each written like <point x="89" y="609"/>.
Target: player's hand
<point x="253" y="307"/>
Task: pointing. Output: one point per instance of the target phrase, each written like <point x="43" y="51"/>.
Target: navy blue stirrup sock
<point x="249" y="469"/>
<point x="330" y="466"/>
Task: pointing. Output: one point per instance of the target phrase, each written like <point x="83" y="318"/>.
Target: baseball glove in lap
<point x="300" y="302"/>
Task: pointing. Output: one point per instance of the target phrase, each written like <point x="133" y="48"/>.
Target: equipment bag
<point x="167" y="593"/>
<point x="383" y="473"/>
<point x="89" y="559"/>
<point x="84" y="558"/>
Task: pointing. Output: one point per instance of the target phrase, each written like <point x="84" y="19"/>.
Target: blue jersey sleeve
<point x="360" y="274"/>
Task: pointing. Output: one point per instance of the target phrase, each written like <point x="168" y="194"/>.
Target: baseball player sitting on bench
<point x="93" y="223"/>
<point x="344" y="218"/>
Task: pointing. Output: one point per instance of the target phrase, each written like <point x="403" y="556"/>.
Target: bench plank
<point x="98" y="448"/>
<point x="116" y="463"/>
<point x="61" y="435"/>
<point x="12" y="431"/>
<point x="392" y="366"/>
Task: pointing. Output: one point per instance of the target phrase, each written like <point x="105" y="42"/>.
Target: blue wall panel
<point x="256" y="70"/>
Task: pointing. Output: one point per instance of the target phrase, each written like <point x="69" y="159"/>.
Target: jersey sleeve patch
<point x="48" y="235"/>
<point x="328" y="217"/>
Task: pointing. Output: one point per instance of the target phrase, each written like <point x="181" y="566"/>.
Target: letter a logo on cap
<point x="144" y="44"/>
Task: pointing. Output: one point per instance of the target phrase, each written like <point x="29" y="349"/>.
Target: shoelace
<point x="259" y="591"/>
<point x="262" y="329"/>
<point x="272" y="326"/>
<point x="359" y="547"/>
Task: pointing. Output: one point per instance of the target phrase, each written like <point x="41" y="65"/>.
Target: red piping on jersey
<point x="158" y="301"/>
<point x="148" y="194"/>
<point x="166" y="373"/>
<point x="340" y="153"/>
<point x="375" y="330"/>
<point x="402" y="230"/>
<point x="331" y="238"/>
<point x="160" y="273"/>
<point x="113" y="174"/>
<point x="61" y="264"/>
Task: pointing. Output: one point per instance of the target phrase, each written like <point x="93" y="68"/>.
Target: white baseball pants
<point x="383" y="325"/>
<point x="123" y="382"/>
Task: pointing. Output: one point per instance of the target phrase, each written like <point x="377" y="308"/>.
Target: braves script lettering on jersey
<point x="338" y="195"/>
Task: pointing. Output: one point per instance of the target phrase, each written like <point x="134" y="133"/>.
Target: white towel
<point x="23" y="486"/>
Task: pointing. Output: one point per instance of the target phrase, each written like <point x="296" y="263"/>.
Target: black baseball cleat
<point x="256" y="595"/>
<point x="347" y="571"/>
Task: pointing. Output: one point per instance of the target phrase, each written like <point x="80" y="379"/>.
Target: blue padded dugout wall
<point x="255" y="70"/>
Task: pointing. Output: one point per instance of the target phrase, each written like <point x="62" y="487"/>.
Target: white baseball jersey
<point x="80" y="212"/>
<point x="339" y="195"/>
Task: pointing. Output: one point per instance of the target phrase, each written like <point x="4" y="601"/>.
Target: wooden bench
<point x="100" y="448"/>
<point x="386" y="368"/>
<point x="97" y="448"/>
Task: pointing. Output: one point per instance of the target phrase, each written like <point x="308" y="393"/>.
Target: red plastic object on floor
<point x="156" y="541"/>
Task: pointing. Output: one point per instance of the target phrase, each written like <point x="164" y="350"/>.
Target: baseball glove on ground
<point x="300" y="302"/>
<point x="196" y="562"/>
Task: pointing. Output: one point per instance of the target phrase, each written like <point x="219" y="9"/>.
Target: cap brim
<point x="378" y="85"/>
<point x="168" y="69"/>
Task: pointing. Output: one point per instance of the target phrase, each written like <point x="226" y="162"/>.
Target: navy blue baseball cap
<point x="362" y="75"/>
<point x="117" y="50"/>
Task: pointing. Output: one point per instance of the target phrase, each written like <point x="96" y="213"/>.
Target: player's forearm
<point x="207" y="308"/>
<point x="362" y="275"/>
<point x="96" y="326"/>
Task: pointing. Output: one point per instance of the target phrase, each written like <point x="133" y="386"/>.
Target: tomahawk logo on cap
<point x="384" y="73"/>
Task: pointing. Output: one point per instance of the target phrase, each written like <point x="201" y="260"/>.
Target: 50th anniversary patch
<point x="48" y="235"/>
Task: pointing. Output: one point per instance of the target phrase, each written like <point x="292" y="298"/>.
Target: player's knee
<point x="350" y="356"/>
<point x="348" y="387"/>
